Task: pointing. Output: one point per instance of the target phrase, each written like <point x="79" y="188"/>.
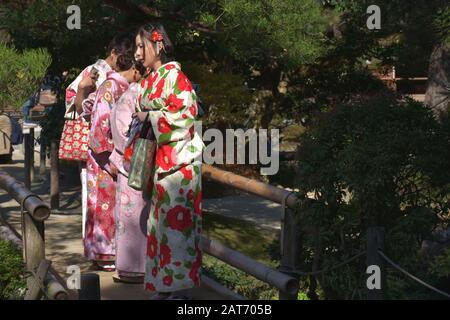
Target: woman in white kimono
<point x="168" y="100"/>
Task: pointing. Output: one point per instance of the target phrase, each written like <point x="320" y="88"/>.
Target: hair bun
<point x="125" y="61"/>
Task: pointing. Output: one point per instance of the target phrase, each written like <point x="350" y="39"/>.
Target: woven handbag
<point x="73" y="145"/>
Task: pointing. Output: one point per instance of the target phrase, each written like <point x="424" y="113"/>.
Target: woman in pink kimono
<point x="80" y="95"/>
<point x="131" y="210"/>
<point x="99" y="244"/>
<point x="168" y="101"/>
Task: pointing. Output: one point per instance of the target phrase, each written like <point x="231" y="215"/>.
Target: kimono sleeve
<point x="178" y="109"/>
<point x="100" y="134"/>
<point x="71" y="92"/>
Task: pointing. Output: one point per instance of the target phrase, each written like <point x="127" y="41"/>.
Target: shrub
<point x="12" y="282"/>
<point x="20" y="74"/>
<point x="379" y="162"/>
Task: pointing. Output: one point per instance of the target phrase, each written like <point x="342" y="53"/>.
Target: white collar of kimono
<point x="102" y="65"/>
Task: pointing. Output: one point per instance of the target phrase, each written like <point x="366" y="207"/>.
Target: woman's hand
<point x="87" y="84"/>
<point x="142" y="116"/>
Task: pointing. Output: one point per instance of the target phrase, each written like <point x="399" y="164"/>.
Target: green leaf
<point x="166" y="199"/>
<point x="168" y="271"/>
<point x="164" y="239"/>
<point x="192" y="149"/>
<point x="180" y="199"/>
<point x="196" y="169"/>
<point x="191" y="251"/>
<point x="185" y="182"/>
<point x="179" y="276"/>
<point x="188" y="264"/>
<point x="163" y="138"/>
<point x="176" y="89"/>
<point x="187" y="233"/>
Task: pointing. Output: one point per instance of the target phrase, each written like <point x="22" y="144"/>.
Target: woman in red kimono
<point x="99" y="243"/>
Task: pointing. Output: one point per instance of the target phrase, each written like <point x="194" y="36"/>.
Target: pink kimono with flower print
<point x="100" y="224"/>
<point x="131" y="211"/>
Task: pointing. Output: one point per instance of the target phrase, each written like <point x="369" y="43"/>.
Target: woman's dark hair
<point x="125" y="61"/>
<point x="122" y="43"/>
<point x="146" y="30"/>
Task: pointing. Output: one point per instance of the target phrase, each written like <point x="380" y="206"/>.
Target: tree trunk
<point x="438" y="87"/>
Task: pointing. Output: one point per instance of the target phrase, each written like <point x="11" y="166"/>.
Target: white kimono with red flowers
<point x="174" y="256"/>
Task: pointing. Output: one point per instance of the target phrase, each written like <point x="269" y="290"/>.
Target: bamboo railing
<point x="286" y="283"/>
<point x="42" y="279"/>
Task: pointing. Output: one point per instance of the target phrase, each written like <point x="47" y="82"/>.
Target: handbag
<point x="142" y="163"/>
<point x="73" y="145"/>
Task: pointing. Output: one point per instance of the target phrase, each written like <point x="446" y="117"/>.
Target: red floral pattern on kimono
<point x="100" y="222"/>
<point x="174" y="256"/>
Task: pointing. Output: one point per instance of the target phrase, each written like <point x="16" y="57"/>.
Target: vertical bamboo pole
<point x="375" y="242"/>
<point x="31" y="145"/>
<point x="42" y="157"/>
<point x="54" y="176"/>
<point x="34" y="249"/>
<point x="289" y="248"/>
<point x="26" y="141"/>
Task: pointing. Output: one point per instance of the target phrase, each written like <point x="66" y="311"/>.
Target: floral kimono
<point x="174" y="256"/>
<point x="100" y="226"/>
<point x="103" y="68"/>
<point x="131" y="210"/>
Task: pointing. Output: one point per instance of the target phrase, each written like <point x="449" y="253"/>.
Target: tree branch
<point x="154" y="13"/>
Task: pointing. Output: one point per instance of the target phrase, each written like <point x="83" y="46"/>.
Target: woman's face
<point x="145" y="52"/>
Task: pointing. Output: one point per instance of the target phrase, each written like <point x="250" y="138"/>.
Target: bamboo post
<point x="27" y="160"/>
<point x="54" y="176"/>
<point x="289" y="243"/>
<point x="33" y="250"/>
<point x="90" y="287"/>
<point x="375" y="242"/>
<point x="36" y="282"/>
<point x="42" y="157"/>
<point x="31" y="146"/>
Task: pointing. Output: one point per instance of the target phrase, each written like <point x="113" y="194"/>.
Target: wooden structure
<point x="43" y="279"/>
<point x="286" y="282"/>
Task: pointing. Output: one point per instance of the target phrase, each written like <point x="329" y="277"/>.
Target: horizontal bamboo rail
<point x="35" y="207"/>
<point x="260" y="271"/>
<point x="258" y="188"/>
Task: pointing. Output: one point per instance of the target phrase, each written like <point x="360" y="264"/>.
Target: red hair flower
<point x="156" y="36"/>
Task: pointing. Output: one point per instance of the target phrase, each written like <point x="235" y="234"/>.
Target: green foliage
<point x="238" y="281"/>
<point x="441" y="264"/>
<point x="375" y="162"/>
<point x="289" y="31"/>
<point x="224" y="93"/>
<point x="12" y="282"/>
<point x="20" y="74"/>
